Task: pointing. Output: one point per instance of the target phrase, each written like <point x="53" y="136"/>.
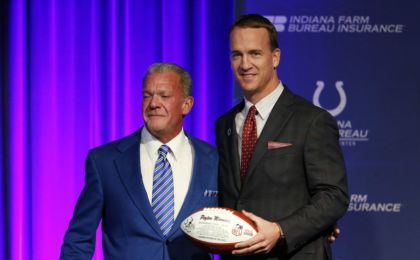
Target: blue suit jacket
<point x="114" y="193"/>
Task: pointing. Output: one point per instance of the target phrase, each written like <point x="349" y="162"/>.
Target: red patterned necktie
<point x="249" y="139"/>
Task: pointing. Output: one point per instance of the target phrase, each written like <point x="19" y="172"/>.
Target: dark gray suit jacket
<point x="303" y="186"/>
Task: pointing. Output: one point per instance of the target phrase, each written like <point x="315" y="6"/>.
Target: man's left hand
<point x="263" y="241"/>
<point x="335" y="232"/>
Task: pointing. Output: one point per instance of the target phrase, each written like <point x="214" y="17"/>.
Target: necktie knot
<point x="252" y="111"/>
<point x="163" y="150"/>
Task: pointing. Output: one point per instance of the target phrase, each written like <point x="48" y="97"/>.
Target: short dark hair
<point x="186" y="81"/>
<point x="257" y="21"/>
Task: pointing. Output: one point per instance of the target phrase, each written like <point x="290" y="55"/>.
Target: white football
<point x="217" y="228"/>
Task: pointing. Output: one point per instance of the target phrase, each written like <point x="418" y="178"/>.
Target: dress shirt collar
<point x="266" y="104"/>
<point x="152" y="144"/>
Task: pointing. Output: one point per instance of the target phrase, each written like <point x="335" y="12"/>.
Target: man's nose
<point x="154" y="101"/>
<point x="245" y="63"/>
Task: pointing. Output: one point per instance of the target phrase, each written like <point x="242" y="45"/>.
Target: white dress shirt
<point x="181" y="158"/>
<point x="264" y="107"/>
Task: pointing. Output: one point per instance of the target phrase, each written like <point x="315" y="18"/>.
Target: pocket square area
<point x="276" y="145"/>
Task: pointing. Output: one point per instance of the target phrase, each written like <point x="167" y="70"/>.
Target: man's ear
<point x="276" y="57"/>
<point x="187" y="105"/>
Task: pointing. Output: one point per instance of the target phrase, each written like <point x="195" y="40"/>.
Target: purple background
<point x="70" y="78"/>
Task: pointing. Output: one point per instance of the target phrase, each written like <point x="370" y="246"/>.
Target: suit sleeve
<point x="326" y="181"/>
<point x="79" y="240"/>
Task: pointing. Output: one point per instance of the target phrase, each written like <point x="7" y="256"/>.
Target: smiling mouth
<point x="247" y="76"/>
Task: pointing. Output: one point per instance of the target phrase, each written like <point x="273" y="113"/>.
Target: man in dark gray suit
<point x="279" y="155"/>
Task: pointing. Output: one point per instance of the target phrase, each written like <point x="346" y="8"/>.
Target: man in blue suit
<point x="143" y="185"/>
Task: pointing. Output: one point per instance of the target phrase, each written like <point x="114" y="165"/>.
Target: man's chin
<point x="155" y="127"/>
<point x="248" y="86"/>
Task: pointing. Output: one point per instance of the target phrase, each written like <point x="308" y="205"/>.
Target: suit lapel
<point x="232" y="145"/>
<point x="128" y="166"/>
<point x="277" y="119"/>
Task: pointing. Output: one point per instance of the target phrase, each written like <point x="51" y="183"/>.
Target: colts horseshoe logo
<point x="343" y="99"/>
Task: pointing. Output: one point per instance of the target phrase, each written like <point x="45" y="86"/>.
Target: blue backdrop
<point x="360" y="60"/>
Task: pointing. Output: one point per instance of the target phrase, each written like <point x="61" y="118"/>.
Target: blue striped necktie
<point x="163" y="192"/>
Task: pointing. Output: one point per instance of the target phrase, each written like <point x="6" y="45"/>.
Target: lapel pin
<point x="229" y="131"/>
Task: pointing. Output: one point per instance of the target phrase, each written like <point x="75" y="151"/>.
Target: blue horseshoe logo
<point x="343" y="99"/>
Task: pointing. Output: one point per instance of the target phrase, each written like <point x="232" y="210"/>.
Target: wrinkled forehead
<point x="162" y="81"/>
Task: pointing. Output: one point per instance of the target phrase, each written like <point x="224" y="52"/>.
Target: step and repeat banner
<point x="360" y="60"/>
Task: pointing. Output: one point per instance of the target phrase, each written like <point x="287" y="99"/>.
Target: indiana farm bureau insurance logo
<point x="332" y="24"/>
<point x="360" y="203"/>
<point x="349" y="135"/>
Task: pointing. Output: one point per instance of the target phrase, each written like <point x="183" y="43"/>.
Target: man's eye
<point x="235" y="55"/>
